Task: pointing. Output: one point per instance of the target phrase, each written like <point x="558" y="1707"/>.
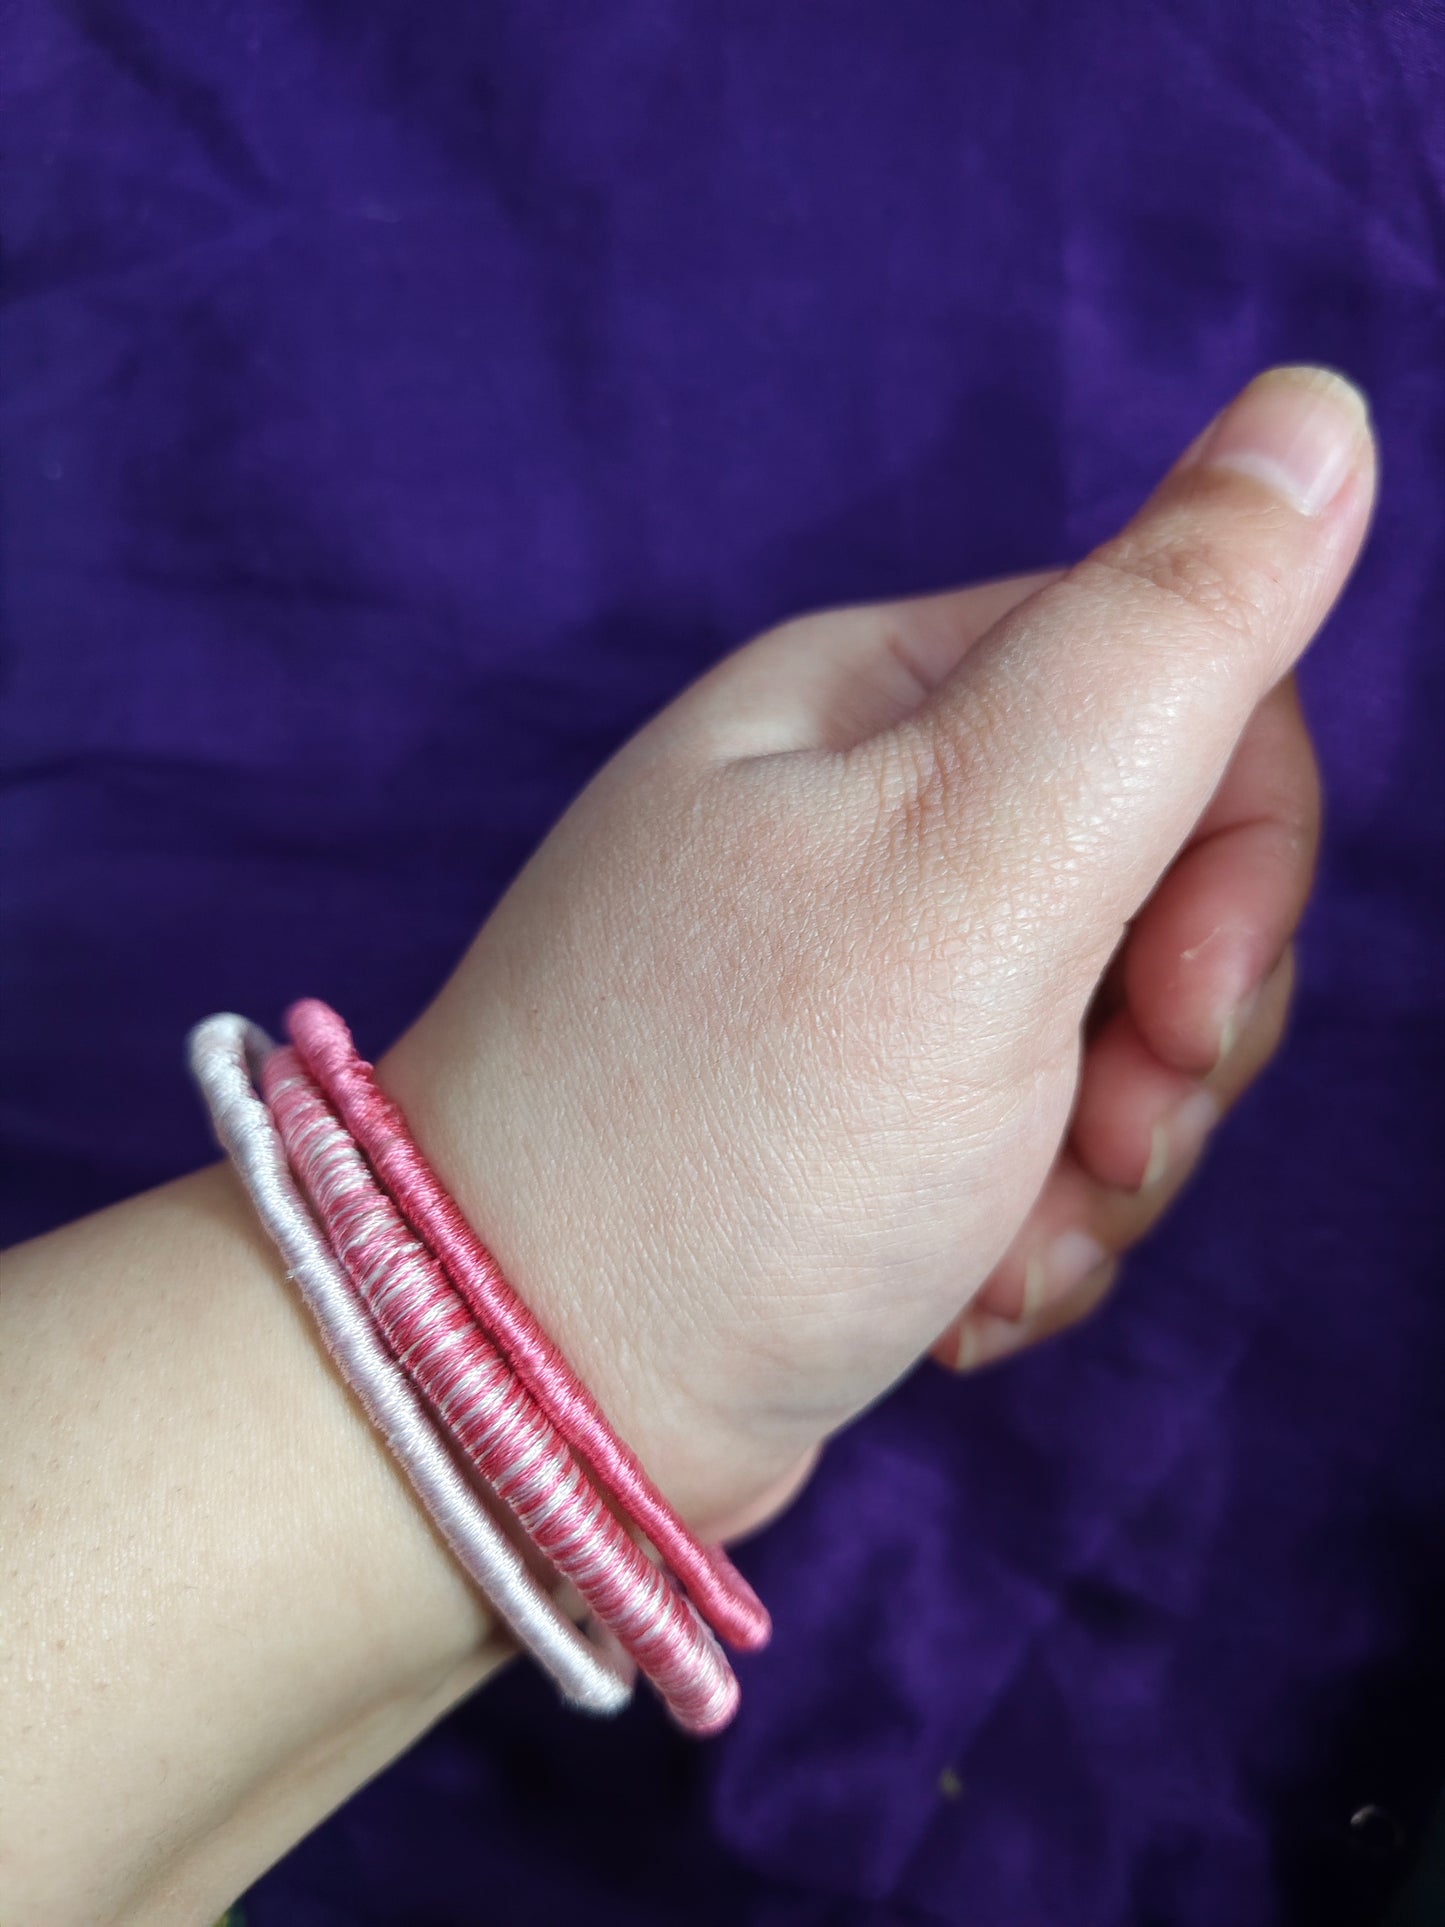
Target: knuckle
<point x="922" y="827"/>
<point x="962" y="893"/>
<point x="1218" y="589"/>
<point x="1303" y="806"/>
<point x="921" y="782"/>
<point x="1293" y="803"/>
<point x="925" y="789"/>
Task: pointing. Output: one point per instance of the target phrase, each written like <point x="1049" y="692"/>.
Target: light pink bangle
<point x="226" y="1054"/>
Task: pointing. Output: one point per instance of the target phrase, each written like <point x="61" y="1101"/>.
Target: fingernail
<point x="1176" y="1138"/>
<point x="1233" y="1027"/>
<point x="1068" y="1260"/>
<point x="985" y="1342"/>
<point x="1297" y="430"/>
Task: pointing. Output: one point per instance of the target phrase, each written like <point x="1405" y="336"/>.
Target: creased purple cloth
<point x="399" y="404"/>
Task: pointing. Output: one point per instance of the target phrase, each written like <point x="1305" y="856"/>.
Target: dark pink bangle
<point x="325" y="1047"/>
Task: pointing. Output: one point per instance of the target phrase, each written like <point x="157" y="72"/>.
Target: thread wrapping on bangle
<point x="326" y="1050"/>
<point x="491" y="1410"/>
<point x="226" y="1054"/>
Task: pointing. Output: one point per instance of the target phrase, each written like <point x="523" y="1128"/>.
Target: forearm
<point x="223" y="1609"/>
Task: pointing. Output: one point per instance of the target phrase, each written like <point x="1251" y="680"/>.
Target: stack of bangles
<point x="466" y="1388"/>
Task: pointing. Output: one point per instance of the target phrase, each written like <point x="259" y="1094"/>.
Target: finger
<point x="1137" y="1117"/>
<point x="1075" y="746"/>
<point x="1194" y="955"/>
<point x="828" y="680"/>
<point x="1226" y="909"/>
<point x="982" y="1337"/>
<point x="1067" y="1251"/>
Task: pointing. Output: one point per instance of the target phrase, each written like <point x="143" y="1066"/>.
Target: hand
<point x="757" y="1081"/>
<point x="786" y="1057"/>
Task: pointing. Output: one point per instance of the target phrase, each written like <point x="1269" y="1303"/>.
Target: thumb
<point x="1077" y="743"/>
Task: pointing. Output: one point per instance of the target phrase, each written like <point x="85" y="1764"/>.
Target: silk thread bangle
<point x="325" y="1047"/>
<point x="489" y="1412"/>
<point x="226" y="1053"/>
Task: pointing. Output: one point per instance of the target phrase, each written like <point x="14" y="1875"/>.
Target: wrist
<point x="600" y="1289"/>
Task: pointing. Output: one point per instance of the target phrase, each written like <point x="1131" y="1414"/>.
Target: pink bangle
<point x="325" y="1047"/>
<point x="476" y="1397"/>
<point x="491" y="1381"/>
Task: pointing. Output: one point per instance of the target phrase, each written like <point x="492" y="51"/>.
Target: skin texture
<point x="909" y="949"/>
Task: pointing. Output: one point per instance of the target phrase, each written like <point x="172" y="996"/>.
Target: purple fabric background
<point x="400" y="402"/>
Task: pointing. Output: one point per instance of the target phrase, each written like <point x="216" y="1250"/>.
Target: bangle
<point x="471" y="1389"/>
<point x="478" y="1375"/>
<point x="226" y="1053"/>
<point x="324" y="1046"/>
